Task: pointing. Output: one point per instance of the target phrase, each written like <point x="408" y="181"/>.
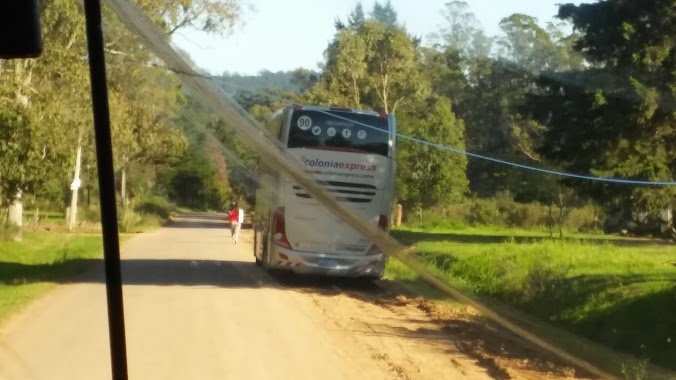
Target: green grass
<point x="29" y="268"/>
<point x="616" y="291"/>
<point x="396" y="271"/>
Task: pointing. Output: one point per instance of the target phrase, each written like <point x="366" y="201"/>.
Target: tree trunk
<point x="15" y="216"/>
<point x="357" y="95"/>
<point x="561" y="222"/>
<point x="123" y="187"/>
<point x="123" y="183"/>
<point x="561" y="208"/>
<point x="550" y="221"/>
<point x="22" y="80"/>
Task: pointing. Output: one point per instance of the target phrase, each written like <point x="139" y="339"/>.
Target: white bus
<point x="351" y="155"/>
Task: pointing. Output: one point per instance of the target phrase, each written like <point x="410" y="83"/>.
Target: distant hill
<point x="282" y="80"/>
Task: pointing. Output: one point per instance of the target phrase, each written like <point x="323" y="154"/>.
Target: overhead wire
<point x="615" y="180"/>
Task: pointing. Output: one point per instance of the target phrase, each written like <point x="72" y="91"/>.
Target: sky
<point x="282" y="35"/>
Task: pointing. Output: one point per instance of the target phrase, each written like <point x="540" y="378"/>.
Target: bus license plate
<point x="328" y="263"/>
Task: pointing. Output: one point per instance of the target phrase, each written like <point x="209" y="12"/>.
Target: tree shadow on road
<point x="201" y="221"/>
<point x="139" y="272"/>
<point x="413" y="237"/>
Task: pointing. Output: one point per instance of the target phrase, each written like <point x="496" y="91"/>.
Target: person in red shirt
<point x="236" y="220"/>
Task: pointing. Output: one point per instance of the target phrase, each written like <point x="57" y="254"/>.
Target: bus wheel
<point x="255" y="247"/>
<point x="264" y="254"/>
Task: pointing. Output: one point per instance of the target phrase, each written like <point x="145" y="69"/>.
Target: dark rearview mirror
<point x="20" y="35"/>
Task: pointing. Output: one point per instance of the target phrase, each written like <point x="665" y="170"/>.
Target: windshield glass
<point x="345" y="131"/>
<point x="451" y="189"/>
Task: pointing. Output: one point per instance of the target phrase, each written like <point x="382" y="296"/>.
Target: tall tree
<point x="384" y="13"/>
<point x="373" y="66"/>
<point x="487" y="79"/>
<point x="429" y="176"/>
<point x="357" y="16"/>
<point x="462" y="31"/>
<point x="18" y="154"/>
<point x="211" y="16"/>
<point x="49" y="90"/>
<point x="52" y="92"/>
<point x="616" y="118"/>
<point x="533" y="48"/>
<point x="345" y="70"/>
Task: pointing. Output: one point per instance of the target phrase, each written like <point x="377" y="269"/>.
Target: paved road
<point x="197" y="307"/>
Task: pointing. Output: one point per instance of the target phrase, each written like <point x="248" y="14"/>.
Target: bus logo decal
<point x="330" y="164"/>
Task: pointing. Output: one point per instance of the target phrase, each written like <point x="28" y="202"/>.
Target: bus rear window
<point x="344" y="131"/>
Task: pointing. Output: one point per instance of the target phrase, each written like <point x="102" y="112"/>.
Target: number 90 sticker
<point x="304" y="123"/>
<point x="361" y="135"/>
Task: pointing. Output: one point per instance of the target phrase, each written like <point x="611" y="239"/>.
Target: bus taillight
<point x="279" y="229"/>
<point x="373" y="250"/>
<point x="382" y="224"/>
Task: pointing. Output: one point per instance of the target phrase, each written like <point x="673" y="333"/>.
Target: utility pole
<point x="75" y="186"/>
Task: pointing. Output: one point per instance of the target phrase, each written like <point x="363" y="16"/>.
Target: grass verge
<point x="617" y="292"/>
<point x="43" y="260"/>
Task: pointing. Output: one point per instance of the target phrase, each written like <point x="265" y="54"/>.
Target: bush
<point x="440" y="224"/>
<point x="529" y="215"/>
<point x="502" y="211"/>
<point x="441" y="217"/>
<point x="584" y="219"/>
<point x="128" y="219"/>
<point x="8" y="231"/>
<point x="456" y="212"/>
<point x="484" y="212"/>
<point x="155" y="206"/>
<point x="541" y="278"/>
<point x="91" y="214"/>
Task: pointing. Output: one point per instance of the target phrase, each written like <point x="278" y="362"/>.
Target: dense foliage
<point x="597" y="100"/>
<point x="45" y="113"/>
<point x="592" y="94"/>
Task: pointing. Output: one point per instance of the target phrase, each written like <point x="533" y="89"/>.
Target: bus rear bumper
<point x="328" y="264"/>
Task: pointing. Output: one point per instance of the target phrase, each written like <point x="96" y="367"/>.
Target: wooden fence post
<point x="398" y="215"/>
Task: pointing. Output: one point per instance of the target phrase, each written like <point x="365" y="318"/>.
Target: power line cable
<point x="500" y="161"/>
<point x="514" y="164"/>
